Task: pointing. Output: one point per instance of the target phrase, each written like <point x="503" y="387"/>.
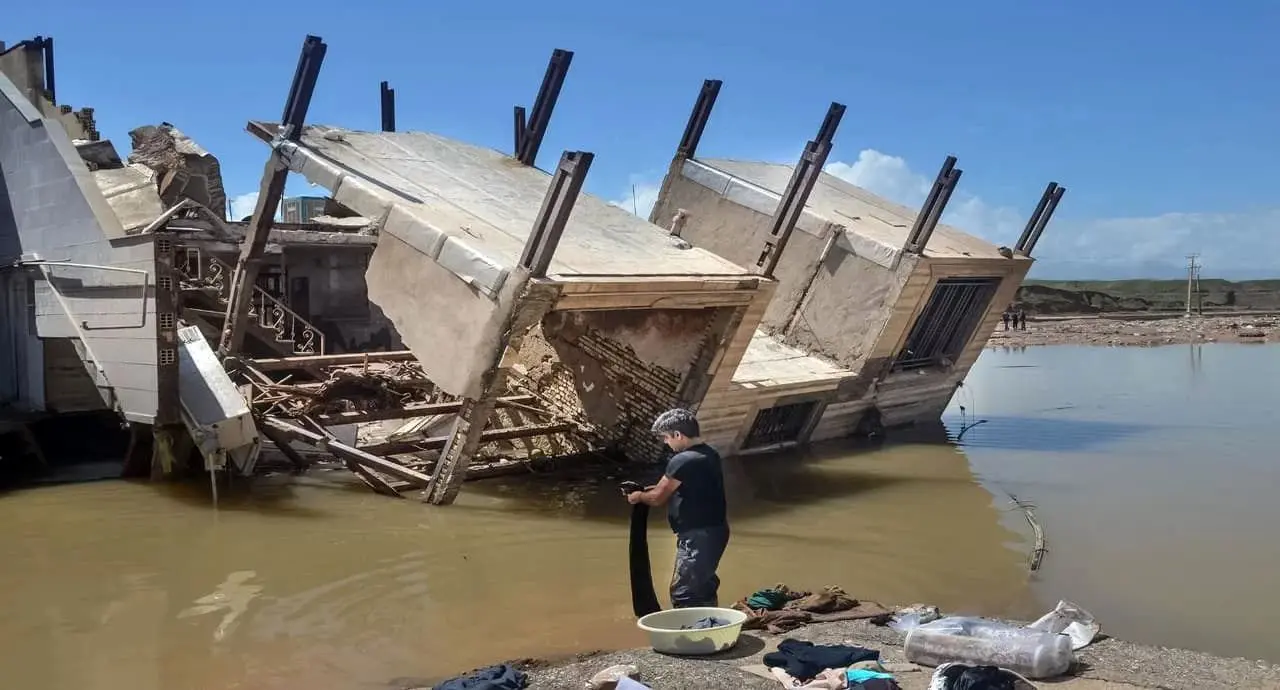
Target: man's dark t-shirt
<point x="699" y="502"/>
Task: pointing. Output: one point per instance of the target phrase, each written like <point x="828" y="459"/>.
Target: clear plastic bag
<point x="979" y="641"/>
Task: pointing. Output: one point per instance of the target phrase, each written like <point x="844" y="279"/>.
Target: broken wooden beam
<point x="303" y="361"/>
<point x="489" y="435"/>
<point x="345" y="452"/>
<point x="410" y="411"/>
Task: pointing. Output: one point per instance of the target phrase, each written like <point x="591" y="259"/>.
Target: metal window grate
<point x="952" y="314"/>
<point x="168" y="356"/>
<point x="164" y="283"/>
<point x="167" y="320"/>
<point x="779" y="424"/>
<point x="164" y="247"/>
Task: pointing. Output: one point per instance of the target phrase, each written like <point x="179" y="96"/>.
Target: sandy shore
<point x="1095" y="330"/>
<point x="1107" y="663"/>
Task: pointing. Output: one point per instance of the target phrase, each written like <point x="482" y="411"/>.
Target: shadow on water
<point x="1040" y="434"/>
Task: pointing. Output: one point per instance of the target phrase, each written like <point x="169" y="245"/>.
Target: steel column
<point x="935" y="214"/>
<point x="1044" y="220"/>
<point x="270" y="192"/>
<point x="796" y="196"/>
<point x="1035" y="216"/>
<point x="698" y="118"/>
<point x="388" y="106"/>
<point x="558" y="203"/>
<point x="930" y="201"/>
<point x="529" y="135"/>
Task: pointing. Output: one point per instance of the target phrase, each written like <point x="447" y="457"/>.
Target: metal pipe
<point x="520" y="129"/>
<point x="698" y="118"/>
<point x="935" y="214"/>
<point x="544" y="104"/>
<point x="1035" y="216"/>
<point x="1044" y="220"/>
<point x="388" y="95"/>
<point x="929" y="202"/>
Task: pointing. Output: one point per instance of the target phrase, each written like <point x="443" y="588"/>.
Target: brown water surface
<point x="119" y="586"/>
<point x="1152" y="470"/>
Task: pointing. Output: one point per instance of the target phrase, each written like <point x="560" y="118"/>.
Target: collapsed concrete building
<point x="491" y="310"/>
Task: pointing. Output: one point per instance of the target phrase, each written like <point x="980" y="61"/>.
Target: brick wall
<point x="615" y="371"/>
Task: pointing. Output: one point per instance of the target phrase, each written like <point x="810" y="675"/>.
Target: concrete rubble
<point x="1173" y="329"/>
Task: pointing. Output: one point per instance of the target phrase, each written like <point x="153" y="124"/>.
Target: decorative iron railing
<point x="265" y="309"/>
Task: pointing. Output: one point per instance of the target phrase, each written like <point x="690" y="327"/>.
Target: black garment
<point x="699" y="502"/>
<point x="965" y="677"/>
<point x="705" y="623"/>
<point x="804" y="660"/>
<point x="501" y="677"/>
<point x="644" y="600"/>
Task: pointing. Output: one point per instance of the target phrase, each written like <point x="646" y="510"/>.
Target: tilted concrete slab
<point x="876" y="228"/>
<point x="453" y="220"/>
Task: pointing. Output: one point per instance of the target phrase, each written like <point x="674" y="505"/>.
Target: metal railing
<point x="265" y="309"/>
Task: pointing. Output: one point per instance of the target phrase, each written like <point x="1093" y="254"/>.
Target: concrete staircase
<point x="206" y="288"/>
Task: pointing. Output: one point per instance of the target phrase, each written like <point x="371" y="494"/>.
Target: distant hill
<point x="1106" y="296"/>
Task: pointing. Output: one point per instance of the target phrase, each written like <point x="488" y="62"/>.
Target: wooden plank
<point x="589" y="284"/>
<point x="412" y="410"/>
<point x="284" y="363"/>
<point x="489" y="435"/>
<point x="343" y="451"/>
<point x="652" y="300"/>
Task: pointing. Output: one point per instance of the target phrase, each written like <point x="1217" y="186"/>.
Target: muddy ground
<point x="1096" y="330"/>
<point x="1107" y="663"/>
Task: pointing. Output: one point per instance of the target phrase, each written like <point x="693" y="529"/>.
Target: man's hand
<point x="634" y="497"/>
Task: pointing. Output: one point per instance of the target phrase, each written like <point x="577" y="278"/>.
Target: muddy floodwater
<point x="1152" y="471"/>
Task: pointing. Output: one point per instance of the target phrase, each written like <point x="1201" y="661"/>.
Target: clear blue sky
<point x="1140" y="109"/>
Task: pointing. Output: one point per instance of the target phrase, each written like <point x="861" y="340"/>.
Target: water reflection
<point x="1152" y="472"/>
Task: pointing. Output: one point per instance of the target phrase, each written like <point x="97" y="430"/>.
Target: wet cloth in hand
<point x="644" y="600"/>
<point x="804" y="660"/>
<point x="501" y="677"/>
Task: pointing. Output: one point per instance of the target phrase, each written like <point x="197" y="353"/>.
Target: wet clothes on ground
<point x="500" y="677"/>
<point x="957" y="676"/>
<point x="804" y="660"/>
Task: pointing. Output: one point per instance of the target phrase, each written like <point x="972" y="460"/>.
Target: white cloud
<point x="640" y="198"/>
<point x="242" y="205"/>
<point x="1231" y="245"/>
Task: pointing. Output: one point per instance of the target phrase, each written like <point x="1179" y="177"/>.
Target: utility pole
<point x="1193" y="279"/>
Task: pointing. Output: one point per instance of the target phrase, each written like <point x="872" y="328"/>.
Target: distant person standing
<point x="693" y="489"/>
<point x="1022" y="319"/>
<point x="1005" y="317"/>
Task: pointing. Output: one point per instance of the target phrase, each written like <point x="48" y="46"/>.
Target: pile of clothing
<point x="780" y="609"/>
<point x="801" y="664"/>
<point x="500" y="677"/>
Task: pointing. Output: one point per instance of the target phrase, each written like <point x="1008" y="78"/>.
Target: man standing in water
<point x="693" y="489"/>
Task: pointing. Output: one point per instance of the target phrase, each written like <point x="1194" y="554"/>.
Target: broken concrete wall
<point x="738" y="234"/>
<point x="327" y="286"/>
<point x="183" y="169"/>
<point x="453" y="328"/>
<point x="23" y="64"/>
<point x="619" y="369"/>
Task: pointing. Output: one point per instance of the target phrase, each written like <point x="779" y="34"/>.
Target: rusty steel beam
<point x="803" y="178"/>
<point x="935" y="214"/>
<point x="698" y="118"/>
<point x="412" y="410"/>
<point x="388" y="107"/>
<point x="1035" y="216"/>
<point x="929" y="202"/>
<point x="1044" y="220"/>
<point x="270" y="192"/>
<point x="548" y="227"/>
<point x="529" y="134"/>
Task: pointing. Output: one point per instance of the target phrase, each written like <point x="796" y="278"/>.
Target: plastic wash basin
<point x="666" y="635"/>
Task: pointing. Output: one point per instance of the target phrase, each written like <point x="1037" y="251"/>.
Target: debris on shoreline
<point x="1142" y="332"/>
